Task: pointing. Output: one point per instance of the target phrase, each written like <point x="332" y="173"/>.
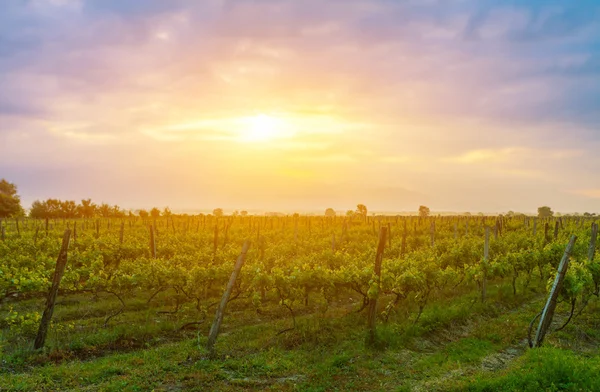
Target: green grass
<point x="544" y="369"/>
<point x="443" y="351"/>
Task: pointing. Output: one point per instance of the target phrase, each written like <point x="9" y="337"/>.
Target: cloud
<point x="386" y="91"/>
<point x="588" y="193"/>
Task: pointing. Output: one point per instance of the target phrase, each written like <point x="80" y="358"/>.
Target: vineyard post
<point x="432" y="234"/>
<point x="216" y="239"/>
<point x="17" y="224"/>
<point x="389" y="226"/>
<point x="333" y="243"/>
<point x="61" y="263"/>
<point x="546" y="226"/>
<point x="486" y="255"/>
<point x="152" y="242"/>
<point x="556" y="230"/>
<point x="372" y="315"/>
<point x="122" y="232"/>
<point x="2" y="230"/>
<point x="295" y="229"/>
<point x="75" y="232"/>
<point x="592" y="248"/>
<point x="496" y="231"/>
<point x="404" y="233"/>
<point x="534" y="226"/>
<point x="455" y="230"/>
<point x="214" y="329"/>
<point x="548" y="311"/>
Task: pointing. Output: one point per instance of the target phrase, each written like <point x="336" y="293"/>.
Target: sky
<point x="286" y="105"/>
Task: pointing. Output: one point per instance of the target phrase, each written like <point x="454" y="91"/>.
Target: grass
<point x="443" y="351"/>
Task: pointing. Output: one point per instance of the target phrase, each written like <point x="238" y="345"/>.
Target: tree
<point x="167" y="212"/>
<point x="39" y="210"/>
<point x="105" y="210"/>
<point x="545" y="212"/>
<point x="87" y="209"/>
<point x="424" y="211"/>
<point x="155" y="213"/>
<point x="330" y="212"/>
<point x="349" y="213"/>
<point x="68" y="209"/>
<point x="361" y="209"/>
<point x="218" y="212"/>
<point x="143" y="214"/>
<point x="10" y="202"/>
<point x="244" y="213"/>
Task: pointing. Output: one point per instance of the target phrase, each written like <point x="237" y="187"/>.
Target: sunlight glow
<point x="261" y="128"/>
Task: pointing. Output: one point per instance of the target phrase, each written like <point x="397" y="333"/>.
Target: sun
<point x="261" y="128"/>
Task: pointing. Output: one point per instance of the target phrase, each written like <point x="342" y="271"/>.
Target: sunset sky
<point x="301" y="105"/>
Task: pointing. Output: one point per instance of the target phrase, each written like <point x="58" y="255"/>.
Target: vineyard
<point x="320" y="303"/>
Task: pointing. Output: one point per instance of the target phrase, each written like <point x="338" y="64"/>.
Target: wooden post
<point x="486" y="255"/>
<point x="46" y="227"/>
<point x="122" y="232"/>
<point x="548" y="311"/>
<point x="455" y="230"/>
<point x="216" y="325"/>
<point x="372" y="315"/>
<point x="18" y="229"/>
<point x="546" y="231"/>
<point x="556" y="230"/>
<point x="389" y="227"/>
<point x="61" y="263"/>
<point x="592" y="247"/>
<point x="216" y="239"/>
<point x="404" y="233"/>
<point x="333" y="243"/>
<point x="432" y="234"/>
<point x="295" y="230"/>
<point x="534" y="226"/>
<point x="3" y="231"/>
<point x="152" y="242"/>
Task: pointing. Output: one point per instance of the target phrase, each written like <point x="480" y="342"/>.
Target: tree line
<point x="10" y="206"/>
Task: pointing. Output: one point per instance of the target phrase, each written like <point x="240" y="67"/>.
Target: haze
<point x="287" y="105"/>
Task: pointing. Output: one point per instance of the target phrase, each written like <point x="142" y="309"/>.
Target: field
<point x="138" y="298"/>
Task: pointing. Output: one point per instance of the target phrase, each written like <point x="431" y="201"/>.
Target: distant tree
<point x="244" y="213"/>
<point x="330" y="212"/>
<point x="53" y="207"/>
<point x="424" y="211"/>
<point x="167" y="212"/>
<point x="117" y="212"/>
<point x="480" y="214"/>
<point x="68" y="209"/>
<point x="105" y="210"/>
<point x="467" y="213"/>
<point x="350" y="213"/>
<point x="545" y="212"/>
<point x="296" y="215"/>
<point x="235" y="213"/>
<point x="155" y="212"/>
<point x="361" y="209"/>
<point x="586" y="214"/>
<point x="10" y="202"/>
<point x="143" y="214"/>
<point x="218" y="212"/>
<point x="39" y="210"/>
<point x="510" y="213"/>
<point x="87" y="209"/>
